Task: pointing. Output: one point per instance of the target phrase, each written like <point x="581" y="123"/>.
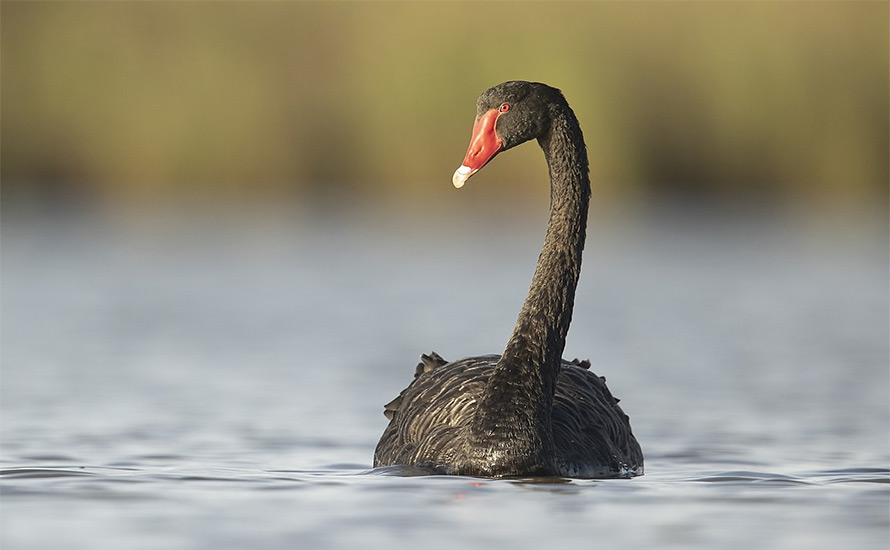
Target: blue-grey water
<point x="216" y="381"/>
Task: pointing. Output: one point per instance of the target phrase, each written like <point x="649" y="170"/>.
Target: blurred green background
<point x="142" y="102"/>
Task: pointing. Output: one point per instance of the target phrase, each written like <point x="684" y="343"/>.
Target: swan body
<point x="527" y="412"/>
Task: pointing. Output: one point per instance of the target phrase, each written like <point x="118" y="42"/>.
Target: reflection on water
<point x="219" y="382"/>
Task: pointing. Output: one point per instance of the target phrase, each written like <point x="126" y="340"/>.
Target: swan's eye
<point x="504" y="107"/>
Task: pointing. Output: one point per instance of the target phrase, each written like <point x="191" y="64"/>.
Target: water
<point x="218" y="382"/>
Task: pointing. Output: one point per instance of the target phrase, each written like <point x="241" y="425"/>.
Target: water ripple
<point x="847" y="475"/>
<point x="28" y="473"/>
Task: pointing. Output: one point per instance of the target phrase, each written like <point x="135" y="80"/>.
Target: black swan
<point x="527" y="412"/>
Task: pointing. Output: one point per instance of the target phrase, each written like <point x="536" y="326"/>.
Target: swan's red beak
<point x="484" y="145"/>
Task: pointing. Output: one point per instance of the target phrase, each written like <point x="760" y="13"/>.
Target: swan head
<point x="508" y="114"/>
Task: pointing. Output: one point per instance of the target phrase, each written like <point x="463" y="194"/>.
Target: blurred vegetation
<point x="148" y="101"/>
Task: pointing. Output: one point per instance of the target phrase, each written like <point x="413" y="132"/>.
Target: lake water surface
<point x="218" y="382"/>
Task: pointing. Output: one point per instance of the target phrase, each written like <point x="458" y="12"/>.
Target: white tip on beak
<point x="461" y="175"/>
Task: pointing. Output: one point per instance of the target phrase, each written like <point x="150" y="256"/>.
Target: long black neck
<point x="514" y="414"/>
